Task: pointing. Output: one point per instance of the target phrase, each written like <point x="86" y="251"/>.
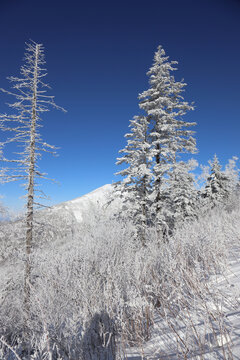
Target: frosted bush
<point x="96" y="291"/>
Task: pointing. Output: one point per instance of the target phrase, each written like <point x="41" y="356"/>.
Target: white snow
<point x="159" y="346"/>
<point x="162" y="344"/>
<point x="82" y="206"/>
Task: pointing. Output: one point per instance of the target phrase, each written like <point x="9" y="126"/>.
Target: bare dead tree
<point x="23" y="129"/>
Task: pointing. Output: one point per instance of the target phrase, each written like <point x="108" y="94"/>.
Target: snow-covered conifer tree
<point x="164" y="105"/>
<point x="136" y="185"/>
<point x="24" y="130"/>
<point x="217" y="189"/>
<point x="232" y="172"/>
<point x="182" y="192"/>
<point x="152" y="153"/>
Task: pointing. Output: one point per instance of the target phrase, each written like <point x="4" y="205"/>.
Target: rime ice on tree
<point x="136" y="186"/>
<point x="24" y="129"/>
<point x="217" y="189"/>
<point x="166" y="137"/>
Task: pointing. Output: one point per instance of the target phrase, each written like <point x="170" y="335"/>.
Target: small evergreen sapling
<point x="183" y="192"/>
<point x="232" y="172"/>
<point x="217" y="189"/>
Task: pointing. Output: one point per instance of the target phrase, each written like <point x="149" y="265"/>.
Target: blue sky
<point x="98" y="53"/>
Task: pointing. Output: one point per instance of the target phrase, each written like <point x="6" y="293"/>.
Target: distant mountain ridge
<point x="81" y="206"/>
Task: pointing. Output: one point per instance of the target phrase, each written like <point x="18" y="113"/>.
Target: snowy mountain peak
<point x="81" y="207"/>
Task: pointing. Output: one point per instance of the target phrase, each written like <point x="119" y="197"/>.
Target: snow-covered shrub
<point x="96" y="293"/>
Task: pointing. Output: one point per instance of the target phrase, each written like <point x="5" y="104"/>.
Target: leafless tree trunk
<point x="30" y="191"/>
<point x="32" y="100"/>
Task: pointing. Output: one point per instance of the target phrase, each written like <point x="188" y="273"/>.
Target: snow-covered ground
<point x="74" y="265"/>
<point x="162" y="345"/>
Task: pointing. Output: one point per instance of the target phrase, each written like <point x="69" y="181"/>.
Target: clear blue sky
<point x="98" y="53"/>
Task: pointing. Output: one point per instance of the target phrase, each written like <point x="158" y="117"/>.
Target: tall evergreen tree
<point x="24" y="130"/>
<point x="164" y="105"/>
<point x="166" y="136"/>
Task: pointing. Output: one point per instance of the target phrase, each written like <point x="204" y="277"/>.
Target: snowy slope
<point x="82" y="206"/>
<point x="160" y="346"/>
